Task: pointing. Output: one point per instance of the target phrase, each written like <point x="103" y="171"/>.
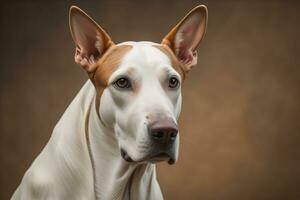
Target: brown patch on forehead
<point x="106" y="66"/>
<point x="174" y="61"/>
<point x="108" y="63"/>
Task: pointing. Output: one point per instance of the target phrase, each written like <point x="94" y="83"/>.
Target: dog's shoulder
<point x="64" y="159"/>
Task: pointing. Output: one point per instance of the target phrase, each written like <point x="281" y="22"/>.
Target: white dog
<point x="122" y="121"/>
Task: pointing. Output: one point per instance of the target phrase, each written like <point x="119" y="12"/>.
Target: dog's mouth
<point x="153" y="158"/>
<point x="160" y="157"/>
<point x="125" y="156"/>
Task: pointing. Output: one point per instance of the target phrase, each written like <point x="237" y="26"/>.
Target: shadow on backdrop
<point x="240" y="121"/>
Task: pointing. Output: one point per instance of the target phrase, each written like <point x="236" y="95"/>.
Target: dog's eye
<point x="122" y="83"/>
<point x="173" y="82"/>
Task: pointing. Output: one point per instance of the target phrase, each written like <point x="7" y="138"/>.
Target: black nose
<point x="163" y="132"/>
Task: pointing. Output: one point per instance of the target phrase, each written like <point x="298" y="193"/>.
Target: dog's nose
<point x="163" y="132"/>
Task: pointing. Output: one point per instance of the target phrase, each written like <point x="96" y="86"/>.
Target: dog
<point x="123" y="120"/>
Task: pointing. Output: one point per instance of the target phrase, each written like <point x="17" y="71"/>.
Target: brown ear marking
<point x="169" y="38"/>
<point x="194" y="22"/>
<point x="76" y="10"/>
<point x="90" y="39"/>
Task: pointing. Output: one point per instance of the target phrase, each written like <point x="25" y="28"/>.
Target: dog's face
<point x="142" y="101"/>
<point x="138" y="84"/>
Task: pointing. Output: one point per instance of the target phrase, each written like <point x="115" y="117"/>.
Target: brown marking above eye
<point x="109" y="63"/>
<point x="106" y="66"/>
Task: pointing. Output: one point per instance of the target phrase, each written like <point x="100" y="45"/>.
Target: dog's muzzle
<point x="153" y="157"/>
<point x="163" y="132"/>
<point x="162" y="135"/>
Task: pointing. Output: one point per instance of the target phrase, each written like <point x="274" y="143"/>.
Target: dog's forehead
<point x="145" y="55"/>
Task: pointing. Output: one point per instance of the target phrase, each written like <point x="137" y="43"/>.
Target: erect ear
<point x="185" y="37"/>
<point x="90" y="39"/>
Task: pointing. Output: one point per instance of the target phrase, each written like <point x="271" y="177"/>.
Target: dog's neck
<point x="115" y="178"/>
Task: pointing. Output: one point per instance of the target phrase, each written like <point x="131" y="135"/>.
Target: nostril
<point x="173" y="135"/>
<point x="157" y="134"/>
<point x="164" y="132"/>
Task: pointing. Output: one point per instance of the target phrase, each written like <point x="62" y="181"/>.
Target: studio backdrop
<point x="239" y="126"/>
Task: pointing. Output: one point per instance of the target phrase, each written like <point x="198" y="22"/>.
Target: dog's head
<point x="138" y="84"/>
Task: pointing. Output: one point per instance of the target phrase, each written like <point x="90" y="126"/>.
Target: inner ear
<point x="90" y="39"/>
<point x="186" y="36"/>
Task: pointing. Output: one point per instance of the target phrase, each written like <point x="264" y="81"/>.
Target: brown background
<point x="240" y="120"/>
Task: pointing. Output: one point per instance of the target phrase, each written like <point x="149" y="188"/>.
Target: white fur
<point x="68" y="168"/>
